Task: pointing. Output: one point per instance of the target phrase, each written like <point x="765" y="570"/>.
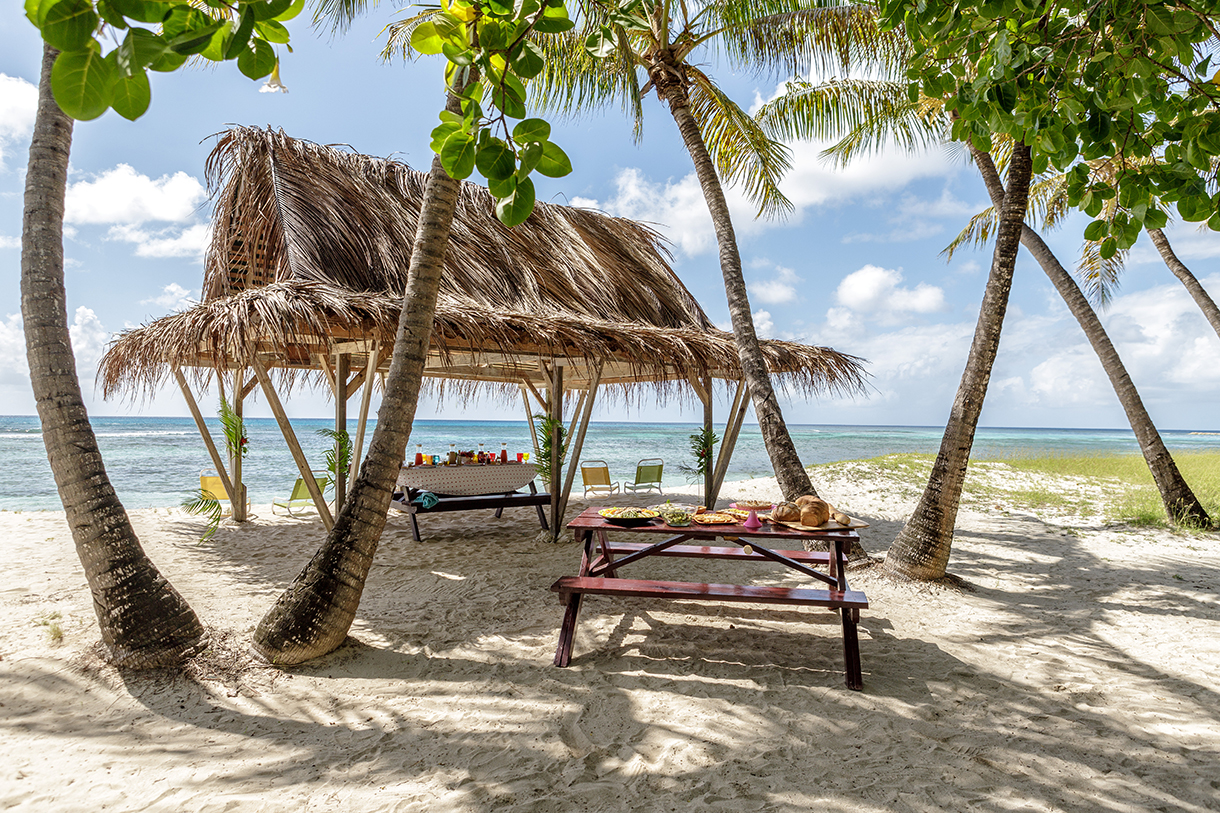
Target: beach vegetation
<point x="490" y="54"/>
<point x="702" y="451"/>
<point x="53" y="622"/>
<point x="625" y="49"/>
<point x="144" y="621"/>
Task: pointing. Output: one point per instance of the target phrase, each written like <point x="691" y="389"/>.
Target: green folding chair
<point x="300" y="497"/>
<point x="647" y="476"/>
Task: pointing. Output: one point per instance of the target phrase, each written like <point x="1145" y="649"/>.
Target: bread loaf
<point x="841" y="518"/>
<point x="815" y="512"/>
<point x="786" y="512"/>
<point x="806" y="499"/>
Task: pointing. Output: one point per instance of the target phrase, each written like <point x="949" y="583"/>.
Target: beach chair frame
<point x="595" y="475"/>
<point x="647" y="476"/>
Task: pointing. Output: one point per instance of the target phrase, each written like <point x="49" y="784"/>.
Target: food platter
<point x="753" y="505"/>
<point x="735" y="512"/>
<point x="715" y="518"/>
<point x="828" y="525"/>
<point x="628" y="517"/>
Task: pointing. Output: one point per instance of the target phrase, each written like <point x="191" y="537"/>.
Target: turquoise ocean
<point x="156" y="462"/>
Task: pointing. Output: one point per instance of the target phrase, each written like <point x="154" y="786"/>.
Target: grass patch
<point x="1118" y="488"/>
<point x="55" y="630"/>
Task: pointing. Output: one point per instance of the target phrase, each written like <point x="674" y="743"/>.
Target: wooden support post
<point x="341" y="369"/>
<point x="239" y="498"/>
<point x="324" y="358"/>
<point x="217" y="461"/>
<point x="576" y="413"/>
<point x="370" y="370"/>
<point x="277" y="409"/>
<point x="737" y="414"/>
<point x="709" y="498"/>
<point x="556" y="411"/>
<point x="529" y="419"/>
<point x="579" y="441"/>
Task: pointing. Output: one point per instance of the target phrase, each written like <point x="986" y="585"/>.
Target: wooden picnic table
<point x="603" y="556"/>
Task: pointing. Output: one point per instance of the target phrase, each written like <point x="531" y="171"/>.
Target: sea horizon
<point x="155" y="461"/>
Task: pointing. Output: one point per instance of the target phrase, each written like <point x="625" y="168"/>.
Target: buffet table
<point x="468" y="488"/>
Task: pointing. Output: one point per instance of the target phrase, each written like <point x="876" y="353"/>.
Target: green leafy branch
<point x="546" y="425"/>
<point x="204" y="503"/>
<point x="234" y="430"/>
<point x="702" y="449"/>
<point x="87" y="82"/>
<point x="339" y="456"/>
<point x="490" y="53"/>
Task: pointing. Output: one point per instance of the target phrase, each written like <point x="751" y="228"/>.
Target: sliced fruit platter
<point x="628" y="517"/>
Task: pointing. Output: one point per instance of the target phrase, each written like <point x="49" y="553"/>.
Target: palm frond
<point x="398" y="36"/>
<point x="790" y="37"/>
<point x="339" y="456"/>
<point x="574" y="82"/>
<point x="742" y="151"/>
<point x="978" y="232"/>
<point x="1099" y="277"/>
<point x="865" y="115"/>
<point x="203" y="503"/>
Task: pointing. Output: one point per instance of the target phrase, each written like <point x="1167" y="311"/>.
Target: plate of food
<point x="737" y="512"/>
<point x="715" y="518"/>
<point x="753" y="505"/>
<point x="628" y="517"/>
<point x="676" y="518"/>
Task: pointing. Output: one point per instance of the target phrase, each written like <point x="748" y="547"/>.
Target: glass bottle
<point x="452" y="454"/>
<point x="503" y="452"/>
<point x="419" y="454"/>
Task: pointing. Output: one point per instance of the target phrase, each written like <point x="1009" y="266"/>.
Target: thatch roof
<point x="310" y="252"/>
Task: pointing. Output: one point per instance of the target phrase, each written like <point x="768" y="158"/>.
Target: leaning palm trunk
<point x="793" y="479"/>
<point x="921" y="550"/>
<point x="313" y="616"/>
<point x="1179" y="269"/>
<point x="1180" y="501"/>
<point x="144" y="622"/>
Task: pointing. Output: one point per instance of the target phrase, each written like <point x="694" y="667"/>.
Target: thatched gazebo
<point x="306" y="269"/>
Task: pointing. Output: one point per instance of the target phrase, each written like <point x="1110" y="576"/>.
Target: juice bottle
<point x="503" y="452"/>
<point x="419" y="454"/>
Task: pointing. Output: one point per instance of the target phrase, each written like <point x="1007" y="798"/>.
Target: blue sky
<point x="857" y="267"/>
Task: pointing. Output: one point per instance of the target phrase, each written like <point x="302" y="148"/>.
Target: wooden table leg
<point x="851" y="648"/>
<point x="567" y="631"/>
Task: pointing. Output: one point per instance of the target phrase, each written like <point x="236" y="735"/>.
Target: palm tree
<point x="1049" y="199"/>
<point x="659" y="40"/>
<point x="144" y="622"/>
<point x="871" y="111"/>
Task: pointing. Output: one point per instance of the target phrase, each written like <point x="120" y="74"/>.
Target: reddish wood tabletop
<point x="603" y="557"/>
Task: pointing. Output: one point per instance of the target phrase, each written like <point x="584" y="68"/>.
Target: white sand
<point x="1080" y="674"/>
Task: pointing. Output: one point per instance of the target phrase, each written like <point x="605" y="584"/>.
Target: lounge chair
<point x="596" y="477"/>
<point x="647" y="476"/>
<point x="215" y="487"/>
<point x="300" y="497"/>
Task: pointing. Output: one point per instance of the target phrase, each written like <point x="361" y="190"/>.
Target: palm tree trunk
<point x="1180" y="501"/>
<point x="921" y="550"/>
<point x="313" y="615"/>
<point x="791" y="475"/>
<point x="144" y="622"/>
<point x="1179" y="269"/>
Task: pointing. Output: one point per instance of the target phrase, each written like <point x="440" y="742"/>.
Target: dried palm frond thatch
<point x="311" y="246"/>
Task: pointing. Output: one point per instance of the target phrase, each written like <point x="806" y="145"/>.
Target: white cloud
<point x="764" y="326"/>
<point x="13" y="367"/>
<point x="9" y="242"/>
<point x="122" y="195"/>
<point x="877" y="291"/>
<point x="678" y="207"/>
<point x="780" y="289"/>
<point x="89" y="338"/>
<point x="171" y="241"/>
<point x="89" y="341"/>
<point x="173" y="297"/>
<point x="18" y="106"/>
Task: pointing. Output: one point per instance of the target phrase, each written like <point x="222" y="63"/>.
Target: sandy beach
<point x="1077" y="671"/>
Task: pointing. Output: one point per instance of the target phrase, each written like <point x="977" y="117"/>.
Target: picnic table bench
<point x="602" y="558"/>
